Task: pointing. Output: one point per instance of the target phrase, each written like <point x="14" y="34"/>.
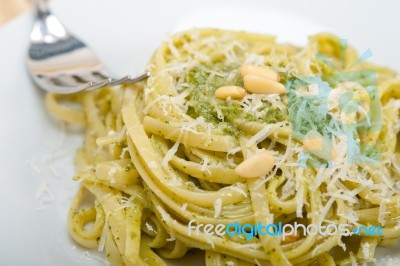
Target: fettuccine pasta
<point x="159" y="154"/>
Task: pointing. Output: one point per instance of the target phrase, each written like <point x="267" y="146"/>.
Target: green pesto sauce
<point x="202" y="101"/>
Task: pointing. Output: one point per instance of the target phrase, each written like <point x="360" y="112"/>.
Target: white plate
<point x="124" y="34"/>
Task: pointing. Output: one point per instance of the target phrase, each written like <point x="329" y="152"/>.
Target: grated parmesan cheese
<point x="382" y="212"/>
<point x="112" y="172"/>
<point x="365" y="250"/>
<point x="288" y="189"/>
<point x="124" y="150"/>
<point x="217" y="207"/>
<point x="209" y="241"/>
<point x="342" y="245"/>
<point x="152" y="164"/>
<point x="170" y="154"/>
<point x="171" y="237"/>
<point x="204" y="165"/>
<point x="44" y="193"/>
<point x="326" y="208"/>
<point x="173" y="49"/>
<point x="300" y="202"/>
<point x="49" y="163"/>
<point x="32" y="163"/>
<point x="255" y="59"/>
<point x="150" y="228"/>
<point x="241" y="191"/>
<point x="260" y="136"/>
<point x="184" y="206"/>
<point x="88" y="255"/>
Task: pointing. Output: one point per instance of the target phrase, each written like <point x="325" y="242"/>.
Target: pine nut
<point x="234" y="92"/>
<point x="257" y="84"/>
<point x="257" y="165"/>
<point x="334" y="154"/>
<point x="312" y="144"/>
<point x="259" y="71"/>
<point x="317" y="146"/>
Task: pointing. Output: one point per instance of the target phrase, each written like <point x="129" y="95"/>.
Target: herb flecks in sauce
<point x="204" y="80"/>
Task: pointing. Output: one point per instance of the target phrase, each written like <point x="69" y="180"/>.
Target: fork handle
<point x="41" y="8"/>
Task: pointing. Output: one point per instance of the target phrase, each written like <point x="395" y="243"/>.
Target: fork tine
<point x="139" y="78"/>
<point x="111" y="82"/>
<point x="129" y="79"/>
<point x="95" y="85"/>
<point x="120" y="81"/>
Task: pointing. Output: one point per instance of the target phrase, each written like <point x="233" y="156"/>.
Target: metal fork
<point x="60" y="62"/>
